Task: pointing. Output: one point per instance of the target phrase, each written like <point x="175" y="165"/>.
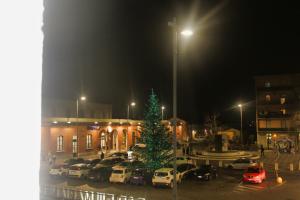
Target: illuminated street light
<point x="55" y="122"/>
<point x="162" y="112"/>
<point x="82" y="98"/>
<point x="132" y="104"/>
<point x="241" y="113"/>
<point x="187" y="32"/>
<point x="175" y="28"/>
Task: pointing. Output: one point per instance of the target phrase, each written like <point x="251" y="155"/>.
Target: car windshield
<point x="117" y="172"/>
<point x="253" y="170"/>
<point x="161" y="174"/>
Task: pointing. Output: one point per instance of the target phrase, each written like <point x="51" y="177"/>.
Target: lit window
<point x="282" y="100"/>
<point x="89" y="141"/>
<point x="268" y="97"/>
<point x="60" y="144"/>
<point x="267" y="84"/>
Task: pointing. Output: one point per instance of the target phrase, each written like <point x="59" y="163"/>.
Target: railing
<point x="67" y="193"/>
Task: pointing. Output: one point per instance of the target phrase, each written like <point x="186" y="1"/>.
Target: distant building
<point x="278" y="110"/>
<point x="68" y="109"/>
<point x="59" y="135"/>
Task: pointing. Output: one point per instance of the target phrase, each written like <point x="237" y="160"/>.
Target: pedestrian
<point x="262" y="151"/>
<point x="102" y="155"/>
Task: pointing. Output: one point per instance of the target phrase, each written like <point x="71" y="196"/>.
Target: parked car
<point x="134" y="152"/>
<point x="205" y="172"/>
<point x="123" y="155"/>
<point x="68" y="163"/>
<point x="102" y="170"/>
<point x="185" y="170"/>
<point x="254" y="175"/>
<point x="131" y="164"/>
<point x="140" y="176"/>
<point x="164" y="176"/>
<point x="120" y="175"/>
<point x="92" y="162"/>
<point x="78" y="170"/>
<point x="242" y="163"/>
<point x="56" y="170"/>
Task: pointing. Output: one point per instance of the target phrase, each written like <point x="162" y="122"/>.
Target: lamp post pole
<point x="82" y="98"/>
<point x="162" y="112"/>
<point x="77" y="128"/>
<point x="173" y="24"/>
<point x="241" y="113"/>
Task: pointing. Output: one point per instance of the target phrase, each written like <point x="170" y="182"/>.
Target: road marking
<point x="247" y="188"/>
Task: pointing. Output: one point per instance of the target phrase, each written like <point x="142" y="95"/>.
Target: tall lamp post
<point x="132" y="104"/>
<point x="162" y="112"/>
<point x="241" y="112"/>
<point x="82" y="98"/>
<point x="175" y="27"/>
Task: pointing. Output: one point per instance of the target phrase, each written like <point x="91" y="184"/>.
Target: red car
<point x="254" y="175"/>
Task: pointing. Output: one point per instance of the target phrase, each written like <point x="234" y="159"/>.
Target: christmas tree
<point x="155" y="136"/>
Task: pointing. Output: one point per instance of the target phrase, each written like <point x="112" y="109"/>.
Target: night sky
<point x="116" y="51"/>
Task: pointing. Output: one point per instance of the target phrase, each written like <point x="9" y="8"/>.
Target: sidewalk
<point x="284" y="160"/>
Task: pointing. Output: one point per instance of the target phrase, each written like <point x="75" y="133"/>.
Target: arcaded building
<point x="65" y="136"/>
<point x="278" y="110"/>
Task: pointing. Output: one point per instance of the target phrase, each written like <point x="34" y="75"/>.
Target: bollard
<point x="220" y="163"/>
<point x="261" y="164"/>
<point x="291" y="167"/>
<point x="207" y="162"/>
<point x="276" y="166"/>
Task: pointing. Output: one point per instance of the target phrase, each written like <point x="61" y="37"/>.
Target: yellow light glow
<point x="240" y="105"/>
<point x="83" y="98"/>
<point x="55" y="122"/>
<point x="95" y="122"/>
<point x="109" y="129"/>
<point x="69" y="122"/>
<point x="163" y="107"/>
<point x="187" y="32"/>
<point x="132" y="104"/>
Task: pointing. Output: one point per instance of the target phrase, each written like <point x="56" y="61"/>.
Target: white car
<point x="120" y="175"/>
<point x="242" y="163"/>
<point x="133" y="152"/>
<point x="164" y="176"/>
<point x="56" y="170"/>
<point x="79" y="170"/>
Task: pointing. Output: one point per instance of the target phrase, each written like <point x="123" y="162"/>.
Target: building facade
<point x="66" y="136"/>
<point x="278" y="111"/>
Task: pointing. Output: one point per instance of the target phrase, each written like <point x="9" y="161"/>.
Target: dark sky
<point x="115" y="51"/>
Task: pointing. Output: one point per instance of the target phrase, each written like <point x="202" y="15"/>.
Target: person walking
<point x="262" y="151"/>
<point x="102" y="155"/>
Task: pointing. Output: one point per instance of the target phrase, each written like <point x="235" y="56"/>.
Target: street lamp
<point x="162" y="112"/>
<point x="132" y="104"/>
<point x="175" y="27"/>
<point x="241" y="112"/>
<point x="82" y="98"/>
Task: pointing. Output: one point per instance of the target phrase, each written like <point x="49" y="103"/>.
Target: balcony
<point x="277" y="129"/>
<point x="276" y="115"/>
